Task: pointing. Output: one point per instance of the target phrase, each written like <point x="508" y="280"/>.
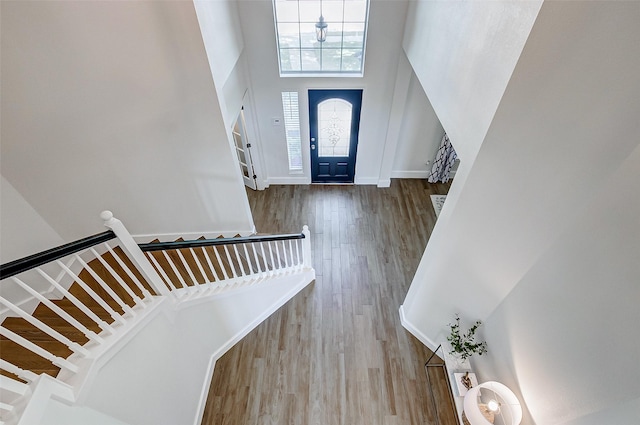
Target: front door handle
<point x="313" y="147"/>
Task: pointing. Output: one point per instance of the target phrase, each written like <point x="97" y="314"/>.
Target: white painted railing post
<point x="134" y="252"/>
<point x="306" y="246"/>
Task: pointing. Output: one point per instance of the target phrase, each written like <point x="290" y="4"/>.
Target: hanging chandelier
<point x="321" y="30"/>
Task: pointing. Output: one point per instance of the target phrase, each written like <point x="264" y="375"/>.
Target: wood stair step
<point x="202" y="254"/>
<point x="159" y="257"/>
<point x="123" y="257"/>
<point x="218" y="265"/>
<point x="29" y="332"/>
<point x="12" y="376"/>
<point x="191" y="263"/>
<point x="26" y="359"/>
<point x="77" y="314"/>
<point x="46" y="315"/>
<point x="109" y="279"/>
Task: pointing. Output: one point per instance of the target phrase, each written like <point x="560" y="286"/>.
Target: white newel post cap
<point x="107" y="217"/>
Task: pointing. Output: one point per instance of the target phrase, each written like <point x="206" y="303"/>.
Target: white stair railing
<point x="78" y="289"/>
<point x="98" y="285"/>
<point x="226" y="261"/>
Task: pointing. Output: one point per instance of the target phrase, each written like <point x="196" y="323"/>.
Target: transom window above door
<point x="321" y="37"/>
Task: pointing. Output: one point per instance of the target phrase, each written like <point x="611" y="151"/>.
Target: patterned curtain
<point x="445" y="157"/>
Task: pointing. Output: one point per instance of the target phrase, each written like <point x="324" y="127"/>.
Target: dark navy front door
<point x="334" y="120"/>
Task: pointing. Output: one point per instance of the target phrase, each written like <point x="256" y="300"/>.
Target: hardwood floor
<point x="337" y="353"/>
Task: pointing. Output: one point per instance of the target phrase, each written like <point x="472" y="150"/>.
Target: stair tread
<point x="77" y="314"/>
<point x="46" y="315"/>
<point x="26" y="359"/>
<point x="12" y="376"/>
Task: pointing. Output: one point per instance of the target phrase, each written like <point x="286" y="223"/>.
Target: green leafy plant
<point x="464" y="344"/>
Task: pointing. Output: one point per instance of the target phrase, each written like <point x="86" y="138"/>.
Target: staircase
<point x="65" y="307"/>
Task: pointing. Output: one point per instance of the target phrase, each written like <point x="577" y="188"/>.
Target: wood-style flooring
<point x="337" y="353"/>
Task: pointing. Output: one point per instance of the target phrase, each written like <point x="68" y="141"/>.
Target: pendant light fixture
<point x="321" y="27"/>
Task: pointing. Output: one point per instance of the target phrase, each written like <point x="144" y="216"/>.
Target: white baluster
<point x="166" y="278"/>
<point x="210" y="264"/>
<point x="97" y="298"/>
<point x="76" y="302"/>
<point x="298" y="262"/>
<point x="58" y="361"/>
<point x="293" y="262"/>
<point x="196" y="286"/>
<point x="73" y="346"/>
<point x="284" y="253"/>
<point x="175" y="269"/>
<point x="92" y="336"/>
<point x="275" y="244"/>
<point x="239" y="260"/>
<point x="27" y="375"/>
<point x="124" y="306"/>
<point x="224" y="270"/>
<point x="274" y="267"/>
<point x="246" y="253"/>
<point x="200" y="268"/>
<point x="264" y="258"/>
<point x="145" y="292"/>
<point x="233" y="269"/>
<point x="256" y="258"/>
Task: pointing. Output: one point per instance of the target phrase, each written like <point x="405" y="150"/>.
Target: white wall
<point x="463" y="53"/>
<point x="567" y="333"/>
<point x="160" y="376"/>
<point x="220" y="26"/>
<point x="112" y="105"/>
<point x="59" y="413"/>
<point x="383" y="49"/>
<point x="419" y="137"/>
<point x="543" y="241"/>
<point x="24" y="232"/>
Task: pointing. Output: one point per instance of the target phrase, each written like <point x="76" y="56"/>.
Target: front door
<point x="334" y="121"/>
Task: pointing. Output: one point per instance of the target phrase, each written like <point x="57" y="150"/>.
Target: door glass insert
<point x="334" y="124"/>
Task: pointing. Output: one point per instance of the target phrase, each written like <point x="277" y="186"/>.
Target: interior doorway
<point x="243" y="151"/>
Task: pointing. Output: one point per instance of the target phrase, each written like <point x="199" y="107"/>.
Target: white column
<point x="400" y="93"/>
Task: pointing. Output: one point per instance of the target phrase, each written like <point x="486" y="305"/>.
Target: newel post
<point x="306" y="247"/>
<point x="135" y="254"/>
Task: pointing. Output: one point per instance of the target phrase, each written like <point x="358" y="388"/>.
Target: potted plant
<point x="464" y="345"/>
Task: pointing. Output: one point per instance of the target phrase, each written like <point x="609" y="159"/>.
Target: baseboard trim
<point x="302" y="179"/>
<point x="420" y="174"/>
<point x="384" y="183"/>
<point x="366" y="180"/>
<point x="415" y="332"/>
<point x="202" y="403"/>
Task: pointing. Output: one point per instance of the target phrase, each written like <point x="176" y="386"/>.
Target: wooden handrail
<point x="161" y="246"/>
<point x="32" y="261"/>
